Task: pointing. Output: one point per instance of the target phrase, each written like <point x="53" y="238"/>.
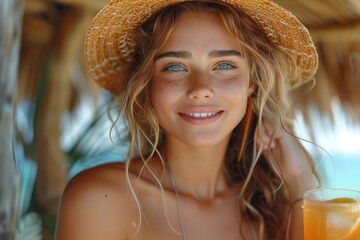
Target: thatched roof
<point x="335" y="28"/>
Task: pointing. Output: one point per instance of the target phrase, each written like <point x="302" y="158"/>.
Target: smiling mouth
<point x="201" y="118"/>
<point x="200" y="115"/>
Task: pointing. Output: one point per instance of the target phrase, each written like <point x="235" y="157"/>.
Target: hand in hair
<point x="284" y="152"/>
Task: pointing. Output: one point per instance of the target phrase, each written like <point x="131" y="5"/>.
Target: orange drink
<point x="331" y="214"/>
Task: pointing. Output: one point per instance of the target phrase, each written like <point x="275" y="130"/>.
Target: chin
<point x="206" y="140"/>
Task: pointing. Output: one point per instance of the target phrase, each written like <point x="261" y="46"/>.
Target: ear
<point x="252" y="88"/>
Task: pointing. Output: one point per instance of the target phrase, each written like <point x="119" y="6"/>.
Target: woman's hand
<point x="285" y="153"/>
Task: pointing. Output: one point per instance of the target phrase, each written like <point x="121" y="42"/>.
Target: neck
<point x="198" y="171"/>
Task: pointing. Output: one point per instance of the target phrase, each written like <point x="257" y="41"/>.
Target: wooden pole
<point x="11" y="12"/>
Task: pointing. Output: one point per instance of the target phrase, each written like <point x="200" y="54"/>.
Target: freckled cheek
<point x="166" y="90"/>
<point x="234" y="87"/>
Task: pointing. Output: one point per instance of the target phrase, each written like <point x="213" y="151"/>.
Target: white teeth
<point x="200" y="115"/>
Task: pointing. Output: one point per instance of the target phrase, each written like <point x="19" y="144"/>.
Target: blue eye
<point x="224" y="66"/>
<point x="174" y="68"/>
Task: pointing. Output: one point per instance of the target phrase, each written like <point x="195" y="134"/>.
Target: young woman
<point x="205" y="89"/>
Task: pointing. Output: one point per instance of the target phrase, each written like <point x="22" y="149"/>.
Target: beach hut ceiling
<point x="334" y="25"/>
<point x="335" y="28"/>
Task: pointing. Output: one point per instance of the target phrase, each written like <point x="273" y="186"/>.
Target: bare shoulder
<point x="97" y="204"/>
<point x="106" y="178"/>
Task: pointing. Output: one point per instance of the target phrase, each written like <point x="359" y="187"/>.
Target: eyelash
<point x="168" y="67"/>
<point x="174" y="64"/>
<point x="228" y="67"/>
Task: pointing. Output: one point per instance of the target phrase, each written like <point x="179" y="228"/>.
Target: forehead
<point x="197" y="29"/>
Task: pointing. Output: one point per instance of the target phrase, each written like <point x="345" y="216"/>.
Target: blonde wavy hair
<point x="263" y="192"/>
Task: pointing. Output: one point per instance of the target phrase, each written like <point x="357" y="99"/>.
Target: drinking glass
<point x="331" y="214"/>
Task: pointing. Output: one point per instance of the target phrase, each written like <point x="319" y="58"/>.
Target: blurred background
<point x="54" y="123"/>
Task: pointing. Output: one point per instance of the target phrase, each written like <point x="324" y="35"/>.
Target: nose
<point x="200" y="86"/>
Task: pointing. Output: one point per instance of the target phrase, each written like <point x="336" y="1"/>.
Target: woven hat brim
<point x="109" y="46"/>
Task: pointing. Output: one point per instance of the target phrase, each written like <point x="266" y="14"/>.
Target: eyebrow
<point x="224" y="53"/>
<point x="186" y="54"/>
<point x="174" y="54"/>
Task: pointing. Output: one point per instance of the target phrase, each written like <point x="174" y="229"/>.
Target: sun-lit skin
<point x="200" y="85"/>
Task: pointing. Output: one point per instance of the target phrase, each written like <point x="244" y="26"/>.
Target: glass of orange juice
<point x="331" y="214"/>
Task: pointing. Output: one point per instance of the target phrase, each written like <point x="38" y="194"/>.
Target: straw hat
<point x="109" y="46"/>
